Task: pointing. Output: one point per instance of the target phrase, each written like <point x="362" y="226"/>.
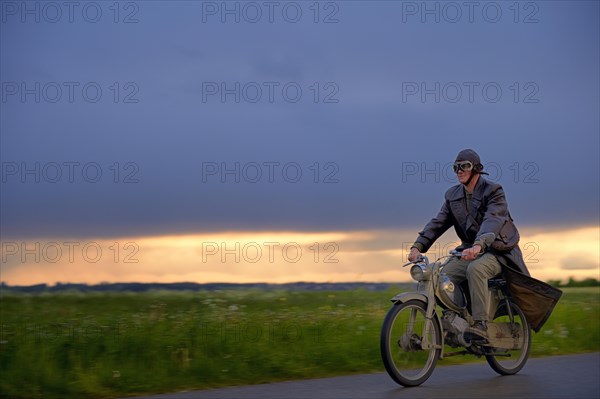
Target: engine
<point x="455" y="326"/>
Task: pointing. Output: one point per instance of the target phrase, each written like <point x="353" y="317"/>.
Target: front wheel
<point x="410" y="346"/>
<point x="511" y="361"/>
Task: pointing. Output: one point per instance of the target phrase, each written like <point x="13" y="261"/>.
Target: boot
<point x="477" y="331"/>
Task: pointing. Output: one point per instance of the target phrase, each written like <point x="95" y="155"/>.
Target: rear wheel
<point x="408" y="359"/>
<point x="511" y="361"/>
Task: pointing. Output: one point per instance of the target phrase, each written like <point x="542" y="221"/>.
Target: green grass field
<point x="111" y="345"/>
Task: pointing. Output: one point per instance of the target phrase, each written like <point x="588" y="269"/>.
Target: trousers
<point x="477" y="272"/>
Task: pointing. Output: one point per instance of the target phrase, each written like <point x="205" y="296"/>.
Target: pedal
<point x="474" y="338"/>
<point x="480" y="342"/>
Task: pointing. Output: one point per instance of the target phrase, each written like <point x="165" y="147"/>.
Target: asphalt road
<point x="571" y="377"/>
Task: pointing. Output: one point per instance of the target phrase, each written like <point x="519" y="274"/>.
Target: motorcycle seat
<point x="496" y="282"/>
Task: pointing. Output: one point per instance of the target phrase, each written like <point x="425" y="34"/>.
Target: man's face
<point x="463" y="176"/>
<point x="463" y="170"/>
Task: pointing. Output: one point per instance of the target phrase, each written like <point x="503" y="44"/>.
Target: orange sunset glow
<point x="273" y="257"/>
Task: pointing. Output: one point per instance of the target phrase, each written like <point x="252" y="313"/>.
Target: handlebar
<point x="486" y="238"/>
<point x="459" y="254"/>
<point x="422" y="258"/>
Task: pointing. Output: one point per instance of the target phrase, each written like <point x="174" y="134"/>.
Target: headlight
<point x="419" y="273"/>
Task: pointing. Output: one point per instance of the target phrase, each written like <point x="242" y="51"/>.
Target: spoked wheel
<point x="410" y="347"/>
<point x="511" y="361"/>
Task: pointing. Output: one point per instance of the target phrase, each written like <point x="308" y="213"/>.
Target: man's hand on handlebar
<point x="414" y="254"/>
<point x="469" y="253"/>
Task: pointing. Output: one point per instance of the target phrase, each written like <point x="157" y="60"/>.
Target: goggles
<point x="465" y="166"/>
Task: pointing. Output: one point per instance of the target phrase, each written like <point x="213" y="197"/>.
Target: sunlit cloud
<point x="273" y="257"/>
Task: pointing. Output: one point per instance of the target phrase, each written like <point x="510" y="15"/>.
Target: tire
<point x="504" y="365"/>
<point x="404" y="359"/>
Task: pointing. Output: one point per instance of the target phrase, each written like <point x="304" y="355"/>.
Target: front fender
<point x="408" y="296"/>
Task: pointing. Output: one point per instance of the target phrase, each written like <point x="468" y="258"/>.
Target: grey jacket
<point x="489" y="214"/>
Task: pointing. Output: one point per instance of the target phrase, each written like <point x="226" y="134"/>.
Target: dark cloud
<point x="368" y="158"/>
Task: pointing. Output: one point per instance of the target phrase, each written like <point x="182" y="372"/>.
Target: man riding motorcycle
<point x="474" y="207"/>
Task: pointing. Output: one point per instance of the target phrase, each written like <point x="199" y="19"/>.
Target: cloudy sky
<point x="284" y="141"/>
